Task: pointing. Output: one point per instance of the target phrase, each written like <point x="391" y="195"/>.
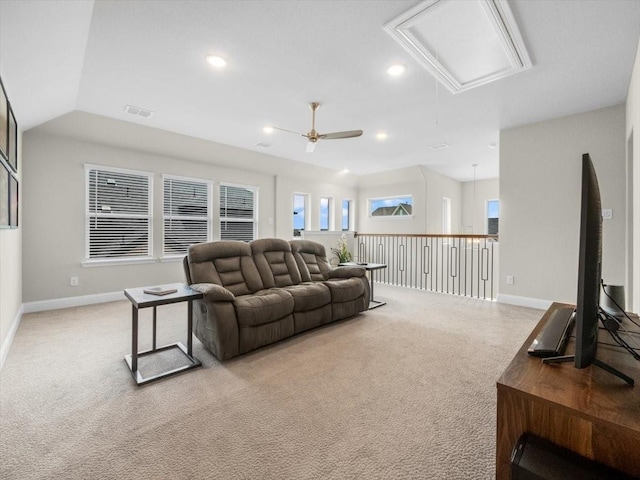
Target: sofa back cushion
<point x="311" y="259"/>
<point x="226" y="263"/>
<point x="275" y="262"/>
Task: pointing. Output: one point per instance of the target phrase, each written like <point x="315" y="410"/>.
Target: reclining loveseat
<point x="261" y="292"/>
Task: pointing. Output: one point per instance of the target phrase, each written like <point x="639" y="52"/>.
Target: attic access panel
<point x="463" y="43"/>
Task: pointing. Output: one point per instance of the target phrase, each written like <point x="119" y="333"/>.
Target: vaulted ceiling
<point x="99" y="56"/>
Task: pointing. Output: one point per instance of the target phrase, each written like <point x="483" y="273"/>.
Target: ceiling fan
<point x="313" y="136"/>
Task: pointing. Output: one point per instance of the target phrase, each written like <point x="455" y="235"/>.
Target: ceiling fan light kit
<point x="313" y="136"/>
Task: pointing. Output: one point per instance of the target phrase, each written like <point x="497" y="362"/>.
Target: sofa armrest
<point x="213" y="292"/>
<point x="347" y="272"/>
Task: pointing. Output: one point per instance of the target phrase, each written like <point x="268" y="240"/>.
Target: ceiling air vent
<point x="463" y="43"/>
<point x="140" y="112"/>
<point x="440" y="146"/>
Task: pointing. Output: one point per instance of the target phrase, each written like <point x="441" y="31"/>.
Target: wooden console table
<point x="588" y="411"/>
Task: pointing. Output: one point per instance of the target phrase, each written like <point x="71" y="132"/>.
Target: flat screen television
<point x="589" y="267"/>
<point x="589" y="276"/>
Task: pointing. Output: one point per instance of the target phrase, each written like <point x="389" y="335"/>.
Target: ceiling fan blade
<point x="336" y="135"/>
<point x="289" y="131"/>
<point x="311" y="146"/>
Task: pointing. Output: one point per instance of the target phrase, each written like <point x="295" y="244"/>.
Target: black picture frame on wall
<point x="13" y="141"/>
<point x="4" y="195"/>
<point x="4" y="123"/>
<point x="13" y="201"/>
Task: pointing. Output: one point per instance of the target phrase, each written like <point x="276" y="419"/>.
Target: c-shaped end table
<point x="369" y="267"/>
<point x="139" y="300"/>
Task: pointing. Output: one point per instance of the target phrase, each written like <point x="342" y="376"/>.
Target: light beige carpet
<point x="403" y="391"/>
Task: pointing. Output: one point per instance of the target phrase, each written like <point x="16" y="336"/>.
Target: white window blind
<point x="237" y="212"/>
<point x="186" y="214"/>
<point x="118" y="213"/>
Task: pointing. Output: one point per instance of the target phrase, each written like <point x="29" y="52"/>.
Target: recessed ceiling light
<point x="381" y="135"/>
<point x="216" y="61"/>
<point x="268" y="129"/>
<point x="346" y="170"/>
<point x="492" y="145"/>
<point x="397" y="69"/>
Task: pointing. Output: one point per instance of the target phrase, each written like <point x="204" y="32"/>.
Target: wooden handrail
<point x="426" y="235"/>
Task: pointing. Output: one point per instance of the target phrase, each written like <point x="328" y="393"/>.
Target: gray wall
<point x="323" y="187"/>
<point x="427" y="188"/>
<point x="54" y="215"/>
<point x="474" y="211"/>
<point x="54" y="196"/>
<point x="540" y="184"/>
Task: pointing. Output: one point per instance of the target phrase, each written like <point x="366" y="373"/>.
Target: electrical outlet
<point x="509" y="279"/>
<point x="73" y="281"/>
<point x="607" y="213"/>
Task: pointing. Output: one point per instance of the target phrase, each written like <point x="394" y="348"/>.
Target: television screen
<point x="589" y="267"/>
<point x="589" y="280"/>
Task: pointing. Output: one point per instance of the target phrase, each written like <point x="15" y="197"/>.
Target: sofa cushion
<point x="309" y="296"/>
<point x="226" y="263"/>
<point x="311" y="259"/>
<point x="313" y="318"/>
<point x="345" y="290"/>
<point x="275" y="262"/>
<point x="262" y="307"/>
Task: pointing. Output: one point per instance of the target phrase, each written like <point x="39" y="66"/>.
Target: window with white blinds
<point x="238" y="214"/>
<point x="118" y="213"/>
<point x="186" y="215"/>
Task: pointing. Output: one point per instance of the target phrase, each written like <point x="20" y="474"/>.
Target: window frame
<point x="254" y="220"/>
<point x="208" y="217"/>
<point x="486" y="216"/>
<point x="348" y="216"/>
<point x="446" y="215"/>
<point x="329" y="202"/>
<point x="305" y="210"/>
<point x="390" y="197"/>
<point x="88" y="261"/>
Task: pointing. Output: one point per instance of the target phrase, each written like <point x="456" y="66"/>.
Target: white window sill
<point x="172" y="258"/>
<point x="107" y="262"/>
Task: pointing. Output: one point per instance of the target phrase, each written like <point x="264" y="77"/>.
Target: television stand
<point x="585" y="410"/>
<point x="596" y="362"/>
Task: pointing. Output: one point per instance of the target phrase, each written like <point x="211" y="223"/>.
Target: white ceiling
<point x="59" y="56"/>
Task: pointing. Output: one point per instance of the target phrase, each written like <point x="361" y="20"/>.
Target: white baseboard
<point x="538" y="303"/>
<point x="8" y="341"/>
<point x="58" y="303"/>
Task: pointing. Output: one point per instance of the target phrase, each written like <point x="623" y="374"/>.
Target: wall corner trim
<point x="8" y="341"/>
<point x="537" y="303"/>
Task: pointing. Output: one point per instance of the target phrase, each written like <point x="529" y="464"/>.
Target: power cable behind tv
<point x="616" y="303"/>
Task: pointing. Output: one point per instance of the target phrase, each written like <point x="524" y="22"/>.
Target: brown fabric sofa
<point x="260" y="292"/>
